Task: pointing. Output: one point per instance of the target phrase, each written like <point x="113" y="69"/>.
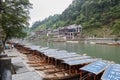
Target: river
<point x="105" y="52"/>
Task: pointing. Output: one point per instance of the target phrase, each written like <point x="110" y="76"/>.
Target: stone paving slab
<point x="20" y="68"/>
<point x="23" y="71"/>
<point x="16" y="60"/>
<point x="11" y="52"/>
<point x="26" y="76"/>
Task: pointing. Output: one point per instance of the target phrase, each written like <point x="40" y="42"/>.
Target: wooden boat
<point x="38" y="65"/>
<point x="33" y="62"/>
<point x="93" y="71"/>
<point x="44" y="67"/>
<point x="54" y="70"/>
<point x="60" y="76"/>
<point x="51" y="63"/>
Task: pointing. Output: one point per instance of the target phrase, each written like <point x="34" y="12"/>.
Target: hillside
<point x="99" y="18"/>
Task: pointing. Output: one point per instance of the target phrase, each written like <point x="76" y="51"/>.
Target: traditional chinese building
<point x="70" y="32"/>
<point x="41" y="33"/>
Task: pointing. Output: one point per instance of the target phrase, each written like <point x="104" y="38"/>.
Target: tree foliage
<point x="46" y="23"/>
<point x="91" y="14"/>
<point x="15" y="17"/>
<point x="116" y="28"/>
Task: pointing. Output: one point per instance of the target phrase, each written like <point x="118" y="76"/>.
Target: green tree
<point x="116" y="28"/>
<point x="14" y="18"/>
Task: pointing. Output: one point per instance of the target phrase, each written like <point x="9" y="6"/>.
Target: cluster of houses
<point x="70" y="32"/>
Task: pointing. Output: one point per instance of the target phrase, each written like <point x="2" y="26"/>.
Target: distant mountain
<point x="98" y="17"/>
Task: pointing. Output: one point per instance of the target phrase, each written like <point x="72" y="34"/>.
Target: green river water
<point x="105" y="52"/>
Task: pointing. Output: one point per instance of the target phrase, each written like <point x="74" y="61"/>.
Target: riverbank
<point x="22" y="71"/>
<point x="105" y="41"/>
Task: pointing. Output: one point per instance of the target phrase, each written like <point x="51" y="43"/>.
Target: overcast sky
<point x="44" y="8"/>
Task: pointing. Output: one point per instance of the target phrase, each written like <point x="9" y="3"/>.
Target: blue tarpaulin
<point x="78" y="62"/>
<point x="43" y="48"/>
<point x="60" y="55"/>
<point x="112" y="73"/>
<point x="32" y="47"/>
<point x="49" y="51"/>
<point x="76" y="58"/>
<point x="95" y="67"/>
<point x="66" y="56"/>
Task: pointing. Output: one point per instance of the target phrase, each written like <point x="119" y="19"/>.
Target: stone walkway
<point x="22" y="70"/>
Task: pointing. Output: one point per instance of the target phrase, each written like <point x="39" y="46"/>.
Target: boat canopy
<point x="76" y="58"/>
<point x="80" y="62"/>
<point x="95" y="67"/>
<point x="52" y="53"/>
<point x="49" y="51"/>
<point x="66" y="56"/>
<point x="112" y="73"/>
<point x="60" y="55"/>
<point x="32" y="47"/>
<point x="43" y="48"/>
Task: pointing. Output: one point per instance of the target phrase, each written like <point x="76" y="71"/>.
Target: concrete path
<point x="22" y="70"/>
